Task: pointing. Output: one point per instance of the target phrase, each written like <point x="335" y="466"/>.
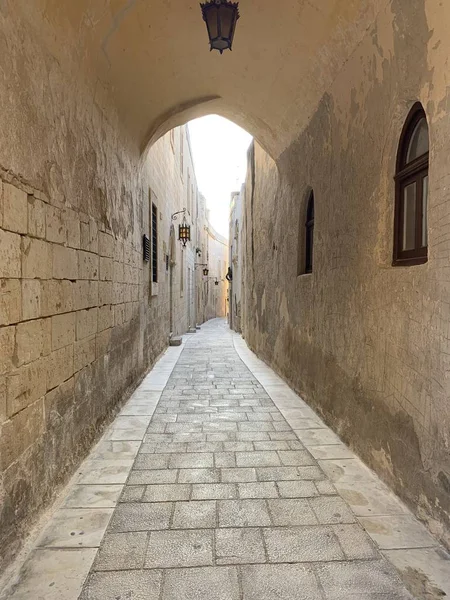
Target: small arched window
<point x="309" y="237"/>
<point x="411" y="201"/>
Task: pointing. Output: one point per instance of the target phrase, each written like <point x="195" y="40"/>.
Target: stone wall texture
<point x="80" y="321"/>
<point x="366" y="343"/>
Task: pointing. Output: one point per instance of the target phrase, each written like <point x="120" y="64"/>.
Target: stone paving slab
<point x="226" y="485"/>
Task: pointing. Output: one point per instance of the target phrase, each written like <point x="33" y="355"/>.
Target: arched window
<point x="309" y="237"/>
<point x="411" y="195"/>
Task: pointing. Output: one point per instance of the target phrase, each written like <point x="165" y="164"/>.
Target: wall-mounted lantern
<point x="184" y="230"/>
<point x="216" y="282"/>
<point x="220" y="17"/>
<point x="184" y="233"/>
<point x="205" y="270"/>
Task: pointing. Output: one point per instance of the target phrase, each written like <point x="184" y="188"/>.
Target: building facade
<point x="236" y="260"/>
<point x="84" y="314"/>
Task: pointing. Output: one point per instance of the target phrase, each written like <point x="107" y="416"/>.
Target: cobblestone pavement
<point x="218" y="482"/>
<point x="224" y="501"/>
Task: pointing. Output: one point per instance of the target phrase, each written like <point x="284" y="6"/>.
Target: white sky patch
<point x="219" y="149"/>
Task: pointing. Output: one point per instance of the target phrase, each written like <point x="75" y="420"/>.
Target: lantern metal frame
<point x="214" y="13"/>
<point x="184" y="230"/>
<point x="184" y="233"/>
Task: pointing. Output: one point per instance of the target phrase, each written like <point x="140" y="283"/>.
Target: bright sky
<point x="219" y="149"/>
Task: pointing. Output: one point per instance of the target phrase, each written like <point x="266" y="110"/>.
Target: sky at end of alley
<point x="219" y="149"/>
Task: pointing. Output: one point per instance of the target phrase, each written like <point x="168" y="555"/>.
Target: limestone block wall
<point x="80" y="322"/>
<point x="70" y="343"/>
<point x="364" y="342"/>
<point x="218" y="257"/>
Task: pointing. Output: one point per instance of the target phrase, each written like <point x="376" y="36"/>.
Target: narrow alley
<point x="217" y="481"/>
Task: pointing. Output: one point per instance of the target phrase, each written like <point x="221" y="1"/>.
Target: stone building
<point x="82" y="317"/>
<point x="216" y="284"/>
<point x="87" y="88"/>
<point x="236" y="260"/>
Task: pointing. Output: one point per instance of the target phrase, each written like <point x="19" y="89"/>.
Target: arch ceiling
<point x="153" y="57"/>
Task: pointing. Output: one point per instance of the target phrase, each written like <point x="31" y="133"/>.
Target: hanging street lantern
<point x="184" y="233"/>
<point x="220" y="17"/>
<point x="205" y="272"/>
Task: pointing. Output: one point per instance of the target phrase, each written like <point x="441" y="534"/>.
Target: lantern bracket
<point x="174" y="217"/>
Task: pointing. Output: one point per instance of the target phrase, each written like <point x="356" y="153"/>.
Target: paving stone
<point x="260" y="417"/>
<point x="151" y="461"/>
<point x="325" y="487"/>
<point x="265" y="489"/>
<point x="168" y="549"/>
<point x="370" y="499"/>
<point x="75" y="528"/>
<point x="239" y="546"/>
<point x="199" y="460"/>
<point x="257" y="459"/>
<point x="261" y="427"/>
<point x="221" y="436"/>
<point x="238" y="475"/>
<point x="121" y="551"/>
<point x="133" y="585"/>
<point x="108" y="472"/>
<point x="205" y="447"/>
<point x="282" y="436"/>
<point x="238" y="447"/>
<point x="278" y="473"/>
<point x="225" y="459"/>
<point x="355" y="543"/>
<point x="132" y="493"/>
<point x="93" y="496"/>
<point x="297" y="489"/>
<point x="194" y="515"/>
<point x="214" y="491"/>
<point x="243" y="513"/>
<point x="372" y="580"/>
<point x="331" y="451"/>
<point x="302" y="544"/>
<point x="279" y="582"/>
<point x="291" y="512"/>
<point x="116" y="450"/>
<point x="146" y="477"/>
<point x="168" y="448"/>
<point x="199" y="476"/>
<point x="296" y="458"/>
<point x="211" y="583"/>
<point x="271" y="445"/>
<point x="331" y="509"/>
<point x="397" y="531"/>
<point x="252" y="436"/>
<point x="166" y="493"/>
<point x="141" y="517"/>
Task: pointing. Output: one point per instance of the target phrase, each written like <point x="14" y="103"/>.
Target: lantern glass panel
<point x="226" y="21"/>
<point x="212" y="16"/>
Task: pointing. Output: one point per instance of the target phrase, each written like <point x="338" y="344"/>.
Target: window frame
<point x="154" y="243"/>
<point x="309" y="234"/>
<point x="406" y="174"/>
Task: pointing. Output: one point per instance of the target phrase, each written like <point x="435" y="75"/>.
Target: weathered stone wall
<point x="80" y="323"/>
<point x="236" y="259"/>
<point x="366" y="343"/>
<point x="218" y="254"/>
